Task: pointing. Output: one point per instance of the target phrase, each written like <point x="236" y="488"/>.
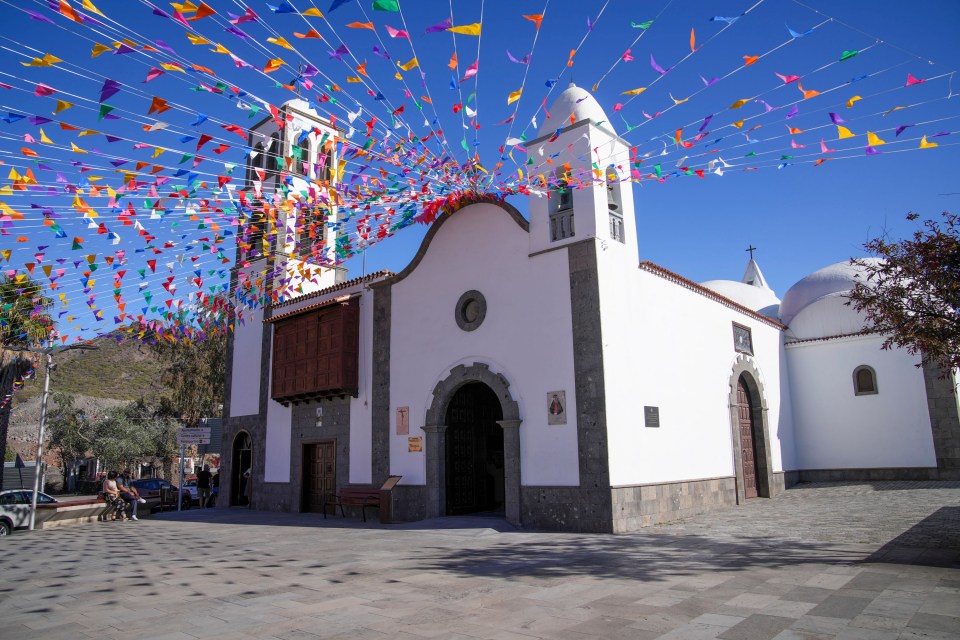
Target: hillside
<point x="112" y="374"/>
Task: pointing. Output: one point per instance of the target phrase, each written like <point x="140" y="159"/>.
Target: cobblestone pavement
<point x="856" y="561"/>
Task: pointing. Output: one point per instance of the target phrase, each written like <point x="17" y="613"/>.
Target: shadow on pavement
<point x="934" y="541"/>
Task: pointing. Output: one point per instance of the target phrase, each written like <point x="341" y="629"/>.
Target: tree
<point x="68" y="431"/>
<point x="912" y="295"/>
<point x="24" y="324"/>
<point x="195" y="374"/>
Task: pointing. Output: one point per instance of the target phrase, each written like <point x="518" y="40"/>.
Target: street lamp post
<point x="43" y="422"/>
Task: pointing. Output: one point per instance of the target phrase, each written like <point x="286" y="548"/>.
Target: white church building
<point x="535" y="368"/>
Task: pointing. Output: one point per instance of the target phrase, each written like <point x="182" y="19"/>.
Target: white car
<point x="191" y="486"/>
<point x="15" y="508"/>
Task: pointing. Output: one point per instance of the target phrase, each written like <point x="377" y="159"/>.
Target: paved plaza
<point x="854" y="561"/>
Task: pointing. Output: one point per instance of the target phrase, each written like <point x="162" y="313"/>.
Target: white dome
<point x="760" y="299"/>
<point x="837" y="278"/>
<point x="578" y="102"/>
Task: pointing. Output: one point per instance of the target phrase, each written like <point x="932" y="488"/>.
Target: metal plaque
<point x="415" y="444"/>
<point x="651" y="417"/>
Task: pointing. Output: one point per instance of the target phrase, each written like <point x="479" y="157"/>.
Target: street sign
<point x="199" y="431"/>
<point x="193" y="435"/>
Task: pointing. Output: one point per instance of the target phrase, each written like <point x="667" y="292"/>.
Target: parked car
<point x="15" y="508"/>
<point x="190" y="485"/>
<point x="160" y="494"/>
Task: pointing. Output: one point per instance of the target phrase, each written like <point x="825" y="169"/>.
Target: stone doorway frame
<point x="436" y="438"/>
<point x="745" y="367"/>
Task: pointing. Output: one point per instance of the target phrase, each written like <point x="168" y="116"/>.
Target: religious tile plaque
<point x="403" y="421"/>
<point x="651" y="417"/>
<point x="415" y="444"/>
<point x="557" y="407"/>
<point x="742" y="339"/>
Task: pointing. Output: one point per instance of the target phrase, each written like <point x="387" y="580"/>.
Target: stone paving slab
<point x="836" y="561"/>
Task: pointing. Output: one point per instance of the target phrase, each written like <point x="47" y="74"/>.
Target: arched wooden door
<point x="474" y="455"/>
<point x="748" y="455"/>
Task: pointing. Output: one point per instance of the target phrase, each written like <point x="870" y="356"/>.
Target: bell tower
<point x="291" y="226"/>
<point x="581" y="179"/>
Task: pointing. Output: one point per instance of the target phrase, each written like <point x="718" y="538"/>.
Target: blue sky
<point x="800" y="216"/>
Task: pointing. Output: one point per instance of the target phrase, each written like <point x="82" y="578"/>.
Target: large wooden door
<point x="747" y="450"/>
<point x="474" y="455"/>
<point x="319" y="474"/>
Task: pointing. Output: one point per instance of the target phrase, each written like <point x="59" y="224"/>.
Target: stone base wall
<point x="409" y="503"/>
<point x="778" y="483"/>
<point x="640" y="506"/>
<point x="869" y="475"/>
<point x="571" y="509"/>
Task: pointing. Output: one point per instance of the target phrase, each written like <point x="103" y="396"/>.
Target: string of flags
<point x="134" y="193"/>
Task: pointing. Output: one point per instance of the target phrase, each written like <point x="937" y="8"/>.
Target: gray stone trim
<point x="461" y="375"/>
<point x="459" y="311"/>
<point x="436" y="447"/>
<point x="766" y="487"/>
<point x="511" y="469"/>
<point x="436" y="435"/>
<point x="649" y="504"/>
<point x="380" y="385"/>
<point x="871" y="475"/>
<point x="942" y="397"/>
<point x="593" y="506"/>
<point x="422" y="251"/>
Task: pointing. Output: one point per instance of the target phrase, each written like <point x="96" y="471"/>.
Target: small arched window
<point x="273" y="156"/>
<point x="255" y="163"/>
<point x="864" y="380"/>
<point x="305" y="157"/>
<point x="614" y="204"/>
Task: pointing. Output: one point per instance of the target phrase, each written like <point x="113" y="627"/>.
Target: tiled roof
<point x="377" y="275"/>
<point x="859" y="334"/>
<point x="676" y="278"/>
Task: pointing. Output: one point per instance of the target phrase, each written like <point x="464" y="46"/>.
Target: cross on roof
<point x="751" y="249"/>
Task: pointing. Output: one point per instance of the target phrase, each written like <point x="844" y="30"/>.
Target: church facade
<point x="535" y="369"/>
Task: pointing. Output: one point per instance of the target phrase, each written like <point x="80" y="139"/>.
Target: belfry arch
<point x="435" y="428"/>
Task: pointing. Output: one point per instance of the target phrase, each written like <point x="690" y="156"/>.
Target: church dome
<point x="815" y="307"/>
<point x="760" y="299"/>
<point x="578" y="102"/>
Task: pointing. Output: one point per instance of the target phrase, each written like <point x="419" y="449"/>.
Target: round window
<point x="471" y="310"/>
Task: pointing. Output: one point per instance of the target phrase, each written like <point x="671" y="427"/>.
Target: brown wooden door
<point x="319" y="474"/>
<point x="474" y="455"/>
<point x="747" y="450"/>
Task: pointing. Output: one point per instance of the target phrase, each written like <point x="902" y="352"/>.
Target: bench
<point x="362" y="497"/>
<point x="348" y="497"/>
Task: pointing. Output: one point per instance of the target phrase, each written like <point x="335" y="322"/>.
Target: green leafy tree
<point x="24" y="324"/>
<point x="194" y="375"/>
<point x="912" y="295"/>
<point x="68" y="431"/>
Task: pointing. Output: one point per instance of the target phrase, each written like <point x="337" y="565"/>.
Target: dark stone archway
<point x="435" y="430"/>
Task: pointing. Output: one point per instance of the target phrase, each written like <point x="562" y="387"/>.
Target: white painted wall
<point x="837" y="429"/>
<point x="276" y="466"/>
<point x="525" y="336"/>
<point x="671" y="347"/>
<point x="361" y="418"/>
<point x="247" y="355"/>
